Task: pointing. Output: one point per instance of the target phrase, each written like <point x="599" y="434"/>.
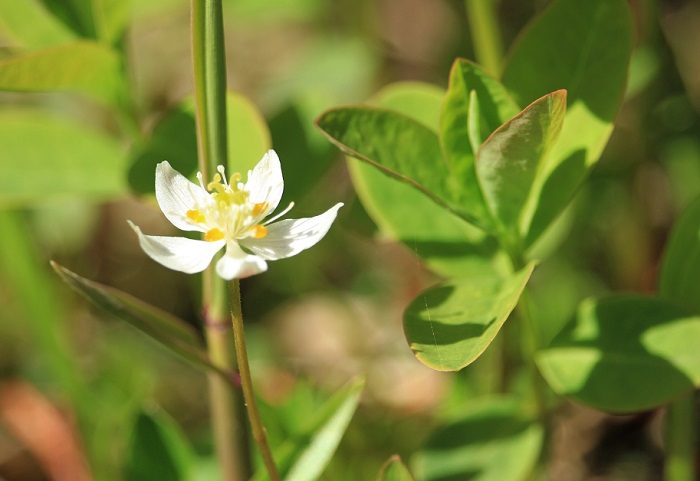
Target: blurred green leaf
<point x="450" y="246"/>
<point x="493" y="442"/>
<point x="79" y="66"/>
<point x="31" y="25"/>
<point x="159" y="450"/>
<point x="450" y="325"/>
<point x="624" y="353"/>
<point x="679" y="280"/>
<point x="511" y="158"/>
<point x="111" y="18"/>
<point x="47" y="156"/>
<point x="168" y="330"/>
<point x="394" y="470"/>
<point x="174" y="139"/>
<point x="305" y="457"/>
<point x="583" y="47"/>
<point x="468" y="82"/>
<point x="325" y="440"/>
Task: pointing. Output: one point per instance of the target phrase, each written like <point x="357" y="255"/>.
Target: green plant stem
<point x="209" y="67"/>
<point x="256" y="425"/>
<point x="485" y="34"/>
<point x="680" y="440"/>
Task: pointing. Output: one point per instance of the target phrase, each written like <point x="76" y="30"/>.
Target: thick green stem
<point x="680" y="440"/>
<point x="256" y="425"/>
<point x="485" y="34"/>
<point x="209" y="64"/>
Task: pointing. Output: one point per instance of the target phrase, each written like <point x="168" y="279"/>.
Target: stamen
<point x="220" y="169"/>
<point x="200" y="178"/>
<point x="259" y="231"/>
<point x="213" y="235"/>
<point x="289" y="207"/>
<point x="217" y="181"/>
<point x="195" y="216"/>
<point x="260" y="207"/>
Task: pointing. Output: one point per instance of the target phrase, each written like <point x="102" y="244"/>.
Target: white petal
<point x="178" y="253"/>
<point x="289" y="237"/>
<point x="237" y="264"/>
<point x="265" y="182"/>
<point x="176" y="195"/>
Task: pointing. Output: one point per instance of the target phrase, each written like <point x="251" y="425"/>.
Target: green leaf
<point x="80" y="66"/>
<point x="306" y="456"/>
<point x="168" y="330"/>
<point x="679" y="280"/>
<point x="583" y="47"/>
<point x="174" y="139"/>
<point x="396" y="144"/>
<point x="449" y="326"/>
<point x="449" y="245"/>
<point x="624" y="353"/>
<point x="508" y="162"/>
<point x="111" y="18"/>
<point x="48" y="156"/>
<point x="394" y="470"/>
<point x="315" y="457"/>
<point x="159" y="450"/>
<point x="31" y="25"/>
<point x="493" y="442"/>
<point x="470" y="83"/>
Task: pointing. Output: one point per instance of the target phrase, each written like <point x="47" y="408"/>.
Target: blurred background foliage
<point x="75" y="165"/>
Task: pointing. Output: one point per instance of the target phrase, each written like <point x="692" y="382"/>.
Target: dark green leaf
<point x="165" y="328"/>
<point x="394" y="470"/>
<point x="680" y="269"/>
<point x="174" y="139"/>
<point x="494" y="442"/>
<point x="159" y="450"/>
<point x="47" y="157"/>
<point x="583" y="47"/>
<point x="80" y="66"/>
<point x="510" y="159"/>
<point x="449" y="326"/>
<point x="625" y="353"/>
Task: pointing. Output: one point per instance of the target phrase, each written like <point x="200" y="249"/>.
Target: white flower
<point x="231" y="214"/>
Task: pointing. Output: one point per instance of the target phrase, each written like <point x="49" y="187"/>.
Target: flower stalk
<point x="256" y="425"/>
<point x="208" y="54"/>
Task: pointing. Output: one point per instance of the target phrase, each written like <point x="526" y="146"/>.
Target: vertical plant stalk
<point x="209" y="66"/>
<point x="485" y="34"/>
<point x="680" y="440"/>
<point x="256" y="425"/>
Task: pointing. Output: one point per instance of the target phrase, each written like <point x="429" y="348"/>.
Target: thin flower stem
<point x="680" y="440"/>
<point x="485" y="34"/>
<point x="256" y="425"/>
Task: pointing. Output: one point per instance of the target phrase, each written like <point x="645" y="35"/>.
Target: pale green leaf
<point x="47" y="156"/>
<point x="79" y="66"/>
<point x="583" y="47"/>
<point x="450" y="325"/>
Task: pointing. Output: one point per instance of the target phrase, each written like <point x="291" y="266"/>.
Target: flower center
<point x="228" y="213"/>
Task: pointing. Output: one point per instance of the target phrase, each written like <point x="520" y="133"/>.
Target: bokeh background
<point x="317" y="320"/>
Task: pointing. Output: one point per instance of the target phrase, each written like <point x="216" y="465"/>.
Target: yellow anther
<point x="235" y="178"/>
<point x="213" y="235"/>
<point x="195" y="216"/>
<point x="259" y="208"/>
<point x="259" y="231"/>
